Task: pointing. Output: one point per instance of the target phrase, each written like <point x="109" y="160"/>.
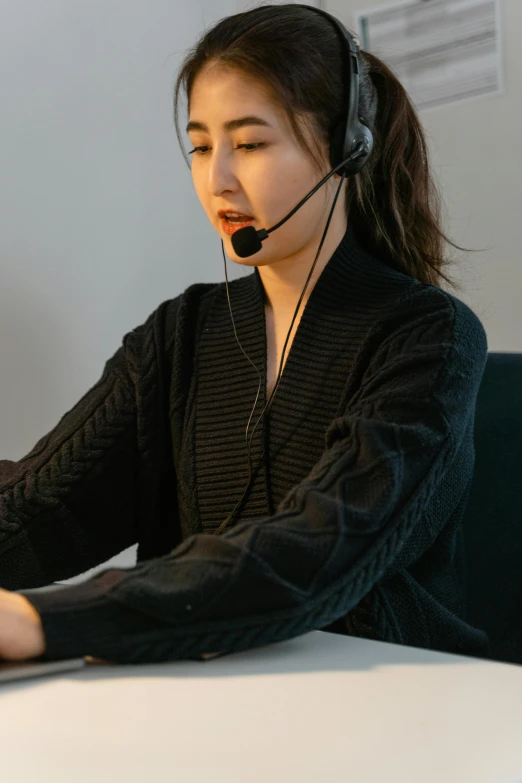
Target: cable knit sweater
<point x="353" y="521"/>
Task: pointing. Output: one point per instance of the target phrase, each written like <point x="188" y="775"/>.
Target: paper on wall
<point x="441" y="50"/>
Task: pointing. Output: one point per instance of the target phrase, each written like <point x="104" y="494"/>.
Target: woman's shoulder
<point x="180" y="316"/>
<point x="426" y="303"/>
<point x="167" y="315"/>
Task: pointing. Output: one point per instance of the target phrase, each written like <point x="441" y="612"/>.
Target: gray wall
<point x="99" y="222"/>
<point x="476" y="158"/>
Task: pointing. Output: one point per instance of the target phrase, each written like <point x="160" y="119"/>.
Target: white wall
<point x="99" y="222"/>
<point x="477" y="161"/>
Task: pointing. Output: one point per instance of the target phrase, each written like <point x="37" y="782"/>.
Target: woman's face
<point x="265" y="179"/>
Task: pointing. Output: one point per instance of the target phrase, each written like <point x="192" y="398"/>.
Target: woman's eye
<point x="199" y="150"/>
<point x="255" y="146"/>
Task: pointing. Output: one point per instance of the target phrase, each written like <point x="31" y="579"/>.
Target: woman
<point x="348" y="518"/>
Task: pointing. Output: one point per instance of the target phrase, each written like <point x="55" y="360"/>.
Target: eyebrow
<point x="240" y="122"/>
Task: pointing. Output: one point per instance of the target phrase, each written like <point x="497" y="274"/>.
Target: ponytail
<point x="394" y="204"/>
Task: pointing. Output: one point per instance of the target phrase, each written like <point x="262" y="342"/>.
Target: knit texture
<point x="353" y="520"/>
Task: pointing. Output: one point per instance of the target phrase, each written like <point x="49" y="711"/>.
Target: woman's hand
<point x="21" y="630"/>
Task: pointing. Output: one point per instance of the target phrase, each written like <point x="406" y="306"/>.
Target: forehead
<point x="220" y="93"/>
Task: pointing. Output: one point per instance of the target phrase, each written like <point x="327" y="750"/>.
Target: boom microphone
<point x="247" y="241"/>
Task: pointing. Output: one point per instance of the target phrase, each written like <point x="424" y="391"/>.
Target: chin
<point x="254" y="260"/>
<point x="248" y="261"/>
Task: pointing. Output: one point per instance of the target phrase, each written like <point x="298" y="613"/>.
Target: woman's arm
<point x="332" y="537"/>
<point x="70" y="503"/>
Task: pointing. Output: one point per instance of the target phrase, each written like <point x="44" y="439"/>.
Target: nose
<point x="221" y="174"/>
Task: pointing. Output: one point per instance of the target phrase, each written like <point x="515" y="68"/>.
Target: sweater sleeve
<point x="334" y="534"/>
<point x="70" y="503"/>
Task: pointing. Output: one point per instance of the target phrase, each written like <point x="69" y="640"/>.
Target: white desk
<point x="320" y="707"/>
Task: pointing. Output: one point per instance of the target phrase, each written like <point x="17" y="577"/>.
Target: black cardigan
<point x="353" y="522"/>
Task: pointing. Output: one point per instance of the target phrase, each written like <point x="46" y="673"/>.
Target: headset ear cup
<point x="336" y="145"/>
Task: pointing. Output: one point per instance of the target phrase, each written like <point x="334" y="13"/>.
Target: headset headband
<point x="351" y="130"/>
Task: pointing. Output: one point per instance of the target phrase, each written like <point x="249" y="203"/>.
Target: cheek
<point x="197" y="182"/>
<point x="277" y="186"/>
<point x="201" y="191"/>
<point x="291" y="186"/>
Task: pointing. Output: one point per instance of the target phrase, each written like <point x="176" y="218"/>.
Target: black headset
<point x="351" y="131"/>
<point x="352" y="142"/>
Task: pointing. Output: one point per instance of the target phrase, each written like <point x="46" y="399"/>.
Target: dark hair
<point x="393" y="204"/>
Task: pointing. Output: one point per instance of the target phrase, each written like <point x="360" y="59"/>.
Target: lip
<point x="231" y="228"/>
<point x="223" y="212"/>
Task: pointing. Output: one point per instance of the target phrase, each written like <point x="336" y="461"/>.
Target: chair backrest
<point x="493" y="518"/>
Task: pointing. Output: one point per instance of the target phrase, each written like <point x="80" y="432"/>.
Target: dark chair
<point x="493" y="518"/>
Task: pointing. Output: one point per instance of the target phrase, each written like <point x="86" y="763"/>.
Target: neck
<point x="283" y="281"/>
